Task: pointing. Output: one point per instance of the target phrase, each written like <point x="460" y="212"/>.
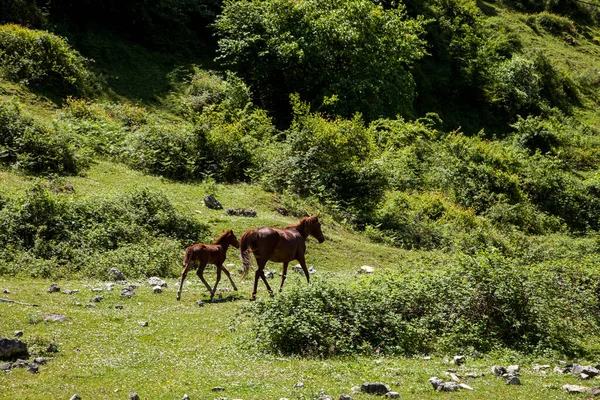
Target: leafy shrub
<point x="553" y="23"/>
<point x="42" y="59"/>
<point x="355" y="50"/>
<point x="478" y="303"/>
<point x="330" y="160"/>
<point x="22" y="12"/>
<point x="33" y="148"/>
<point x="140" y="231"/>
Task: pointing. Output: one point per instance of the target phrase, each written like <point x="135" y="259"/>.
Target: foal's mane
<point x="223" y="236"/>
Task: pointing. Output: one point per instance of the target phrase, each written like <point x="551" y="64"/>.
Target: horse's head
<point x="233" y="240"/>
<point x="315" y="228"/>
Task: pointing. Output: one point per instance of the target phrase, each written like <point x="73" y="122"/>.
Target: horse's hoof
<point x="252" y="298"/>
<point x="271" y="294"/>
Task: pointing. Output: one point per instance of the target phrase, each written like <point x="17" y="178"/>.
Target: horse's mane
<point x="308" y="221"/>
<point x="223" y="236"/>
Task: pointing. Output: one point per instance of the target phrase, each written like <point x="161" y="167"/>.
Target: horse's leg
<point x="256" y="276"/>
<point x="212" y="292"/>
<point x="229" y="276"/>
<point x="264" y="279"/>
<point x="183" y="275"/>
<point x="302" y="262"/>
<point x="283" y="275"/>
<point x="200" y="274"/>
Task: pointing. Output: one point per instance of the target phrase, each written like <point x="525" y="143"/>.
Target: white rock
<point x="365" y="269"/>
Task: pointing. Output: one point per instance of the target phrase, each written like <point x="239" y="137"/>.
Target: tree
<point x="353" y="49"/>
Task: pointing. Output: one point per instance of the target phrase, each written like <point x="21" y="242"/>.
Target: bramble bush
<point x="30" y="147"/>
<point x="42" y="59"/>
<point x="478" y="303"/>
<point x="48" y="235"/>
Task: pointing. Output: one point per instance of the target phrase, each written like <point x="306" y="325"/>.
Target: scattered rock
<point x="55" y="318"/>
<point x="539" y="368"/>
<point x="54" y="288"/>
<point x="312" y="270"/>
<point x="6" y="291"/>
<point x="435" y="382"/>
<point x="20" y="363"/>
<point x="76" y="303"/>
<point x="392" y="395"/>
<point x="282" y="211"/>
<point x="134" y="396"/>
<point x="560" y="370"/>
<point x="498" y="370"/>
<point x="75" y="397"/>
<point x="109" y="286"/>
<point x="157" y="289"/>
<point x="212" y="203"/>
<point x="41" y="360"/>
<point x="12" y="348"/>
<point x="119" y="307"/>
<point x="454" y="377"/>
<point x="586" y="370"/>
<point x="5" y="366"/>
<point x="513" y="380"/>
<point x="185" y="397"/>
<point x="200" y="303"/>
<point x="241" y="212"/>
<point x="33" y="368"/>
<point x="19" y="333"/>
<point x="270" y="275"/>
<point x="375" y="388"/>
<point x="97" y="299"/>
<point x="127" y="292"/>
<point x="459" y="360"/>
<point x="299" y="385"/>
<point x="156" y="281"/>
<point x="218" y="389"/>
<point x="576" y="389"/>
<point x="474" y="375"/>
<point x="513" y="369"/>
<point x="97" y="289"/>
<point x="90" y="305"/>
<point x="465" y="386"/>
<point x="143" y="323"/>
<point x="346" y="397"/>
<point x="584" y="377"/>
<point x="51" y="348"/>
<point x="67" y="291"/>
<point x="115" y="274"/>
<point x="365" y="269"/>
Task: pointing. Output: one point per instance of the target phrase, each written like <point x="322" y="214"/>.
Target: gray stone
<point x="19" y="333"/>
<point x="143" y="323"/>
<point x="6" y="291"/>
<point x="269" y="275"/>
<point x="90" y="305"/>
<point x="346" y="397"/>
<point x="513" y="380"/>
<point x="55" y="318"/>
<point x="454" y="377"/>
<point x="185" y="397"/>
<point x="200" y="303"/>
<point x="211" y="202"/>
<point x="97" y="299"/>
<point x="156" y="281"/>
<point x="12" y="348"/>
<point x="375" y="388"/>
<point x="54" y="288"/>
<point x="241" y="212"/>
<point x="33" y="368"/>
<point x="75" y="397"/>
<point x="474" y="375"/>
<point x="67" y="291"/>
<point x="51" y="348"/>
<point x="392" y="395"/>
<point x="539" y="368"/>
<point x="465" y="386"/>
<point x="115" y="274"/>
<point x="498" y="370"/>
<point x="447" y="387"/>
<point x="157" y="289"/>
<point x="459" y="360"/>
<point x="590" y="371"/>
<point x="299" y="385"/>
<point x="576" y="389"/>
<point x="513" y="369"/>
<point x="5" y="366"/>
<point x="218" y="389"/>
<point x="560" y="370"/>
<point x="365" y="269"/>
<point x="134" y="396"/>
<point x="584" y="377"/>
<point x="20" y="363"/>
<point x="97" y="290"/>
<point x="41" y="360"/>
<point x="127" y="292"/>
<point x="435" y="382"/>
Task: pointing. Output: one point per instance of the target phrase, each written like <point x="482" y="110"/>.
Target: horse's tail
<point x="246" y="242"/>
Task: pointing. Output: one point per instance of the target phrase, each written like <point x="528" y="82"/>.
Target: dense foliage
<point x="46" y="235"/>
<point x="479" y="304"/>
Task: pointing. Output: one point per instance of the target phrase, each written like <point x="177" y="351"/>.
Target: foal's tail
<point x="187" y="258"/>
<point x="246" y="242"/>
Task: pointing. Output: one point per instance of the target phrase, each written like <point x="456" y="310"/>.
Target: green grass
<point x="104" y="353"/>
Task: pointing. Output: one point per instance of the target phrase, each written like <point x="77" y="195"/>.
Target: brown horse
<point x="209" y="254"/>
<point x="278" y="245"/>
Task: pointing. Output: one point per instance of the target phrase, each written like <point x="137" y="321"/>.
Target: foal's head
<point x="228" y="237"/>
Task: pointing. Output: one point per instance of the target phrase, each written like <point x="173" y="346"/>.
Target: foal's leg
<point x="212" y="292"/>
<point x="283" y="275"/>
<point x="229" y="276"/>
<point x="183" y="275"/>
<point x="200" y="274"/>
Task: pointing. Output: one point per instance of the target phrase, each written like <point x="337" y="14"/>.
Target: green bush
<point x="139" y="231"/>
<point x="553" y="23"/>
<point x="22" y="12"/>
<point x="32" y="148"/>
<point x="42" y="59"/>
<point x="479" y="303"/>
